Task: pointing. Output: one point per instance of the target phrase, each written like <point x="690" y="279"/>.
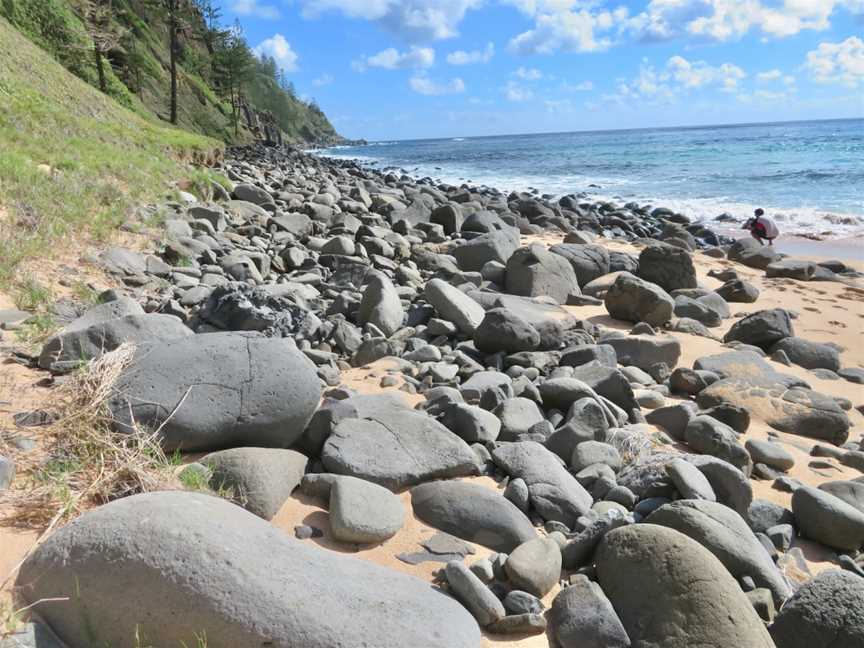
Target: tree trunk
<point x="100" y="68"/>
<point x="172" y="27"/>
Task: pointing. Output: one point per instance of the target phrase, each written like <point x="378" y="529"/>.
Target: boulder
<point x="269" y="589"/>
<point x="518" y="416"/>
<point x="472" y="512"/>
<point x="807" y="354"/>
<point x="851" y="492"/>
<point x="751" y="253"/>
<point x="493" y="246"/>
<point x="726" y="535"/>
<point x="644" y="351"/>
<point x="381" y="305"/>
<point x="744" y="364"/>
<point x="504" y="330"/>
<point x="738" y="291"/>
<point x="589" y="262"/>
<point x="470" y="423"/>
<point x="534" y="271"/>
<point x="769" y="453"/>
<point x="791" y="269"/>
<point x="259" y="479"/>
<point x="535" y="566"/>
<point x="707" y="435"/>
<point x="666" y="587"/>
<point x="761" y="329"/>
<point x="473" y="594"/>
<point x="555" y="494"/>
<point x="667" y="266"/>
<point x="218" y="390"/>
<point x="689" y="481"/>
<point x="821" y="516"/>
<point x="454" y="306"/>
<point x="363" y="512"/>
<point x="634" y="300"/>
<point x="824" y="613"/>
<point x="582" y="617"/>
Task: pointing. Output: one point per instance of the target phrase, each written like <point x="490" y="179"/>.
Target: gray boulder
<point x="555" y="494"/>
<point x="588" y="261"/>
<point x="791" y="269"/>
<point x="707" y="435"/>
<point x="762" y="328"/>
<point x="218" y="390"/>
<point x="582" y="617"/>
<point x="363" y="512"/>
<point x="535" y="566"/>
<point x="251" y="193"/>
<point x="697" y="310"/>
<point x="503" y="330"/>
<point x="259" y="479"/>
<point x="517" y="416"/>
<point x="751" y="253"/>
<point x="851" y="492"/>
<point x="470" y="423"/>
<point x="807" y="354"/>
<point x="665" y="588"/>
<point x="472" y="512"/>
<point x="534" y="271"/>
<point x="644" y="351"/>
<point x="454" y="306"/>
<point x="689" y="481"/>
<point x="821" y="516"/>
<point x="381" y="305"/>
<point x="473" y="594"/>
<point x="269" y="589"/>
<point x="493" y="246"/>
<point x="769" y="453"/>
<point x="738" y="291"/>
<point x="634" y="300"/>
<point x="824" y="613"/>
<point x="726" y="535"/>
<point x="667" y="266"/>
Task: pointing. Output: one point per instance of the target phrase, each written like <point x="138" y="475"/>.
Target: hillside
<point x="73" y="159"/>
<point x="137" y="68"/>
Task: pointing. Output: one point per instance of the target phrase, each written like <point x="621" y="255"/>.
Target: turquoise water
<point x="809" y="176"/>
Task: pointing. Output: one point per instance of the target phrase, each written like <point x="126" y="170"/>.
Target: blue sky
<point x="401" y="69"/>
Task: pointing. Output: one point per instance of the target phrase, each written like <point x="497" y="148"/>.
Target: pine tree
<point x="105" y="34"/>
<point x="234" y="60"/>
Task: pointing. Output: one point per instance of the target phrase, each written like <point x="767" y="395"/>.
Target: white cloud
<point x="558" y="106"/>
<point x="461" y="57"/>
<point x="557" y="27"/>
<point x="252" y="8"/>
<point x="528" y="74"/>
<point x="323" y="80"/>
<point x="516" y="93"/>
<point x="412" y="20"/>
<point x="838" y="62"/>
<point x="393" y="59"/>
<point x="422" y="84"/>
<point x="770" y="75"/>
<point x="699" y="73"/>
<point x="280" y="49"/>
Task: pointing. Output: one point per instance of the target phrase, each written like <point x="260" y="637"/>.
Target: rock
<point x="762" y="515"/>
<point x="555" y="493"/>
<point x="589" y="453"/>
<point x="580" y="355"/>
<point x="770" y="454"/>
<point x="589" y="262"/>
<point x="396" y="448"/>
<point x="534" y="271"/>
<point x="644" y="351"/>
<point x="473" y="513"/>
<point x="582" y="617"/>
<point x="518" y="416"/>
<point x="634" y="300"/>
<point x="669" y="267"/>
<point x="851" y="492"/>
<point x="517" y="492"/>
<point x="519" y="602"/>
<point x="259" y="479"/>
<point x="473" y="594"/>
<point x="665" y="588"/>
<point x="31" y="634"/>
<point x="503" y="330"/>
<point x="535" y="566"/>
<point x="707" y="435"/>
<point x="697" y="310"/>
<point x="731" y="486"/>
<point x="218" y="390"/>
<point x="821" y="516"/>
<point x="493" y="246"/>
<point x="122" y="261"/>
<point x="7" y="472"/>
<point x="453" y="305"/>
<point x="762" y="329"/>
<point x="470" y="423"/>
<point x="751" y="253"/>
<point x="269" y="588"/>
<point x="797" y="410"/>
<point x="824" y="613"/>
<point x="251" y="193"/>
<point x="484" y="384"/>
<point x="738" y="291"/>
<point x="380" y="305"/>
<point x="689" y="481"/>
<point x="807" y="354"/>
<point x="725" y="534"/>
<point x="673" y="418"/>
<point x="791" y="269"/>
<point x="520" y="624"/>
<point x="744" y="364"/>
<point x="363" y="512"/>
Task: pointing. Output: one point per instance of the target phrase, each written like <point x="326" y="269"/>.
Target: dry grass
<point x="85" y="463"/>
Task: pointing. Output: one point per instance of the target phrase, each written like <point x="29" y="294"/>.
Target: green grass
<point x="103" y="158"/>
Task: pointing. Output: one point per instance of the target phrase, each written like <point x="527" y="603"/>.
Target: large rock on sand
<point x="472" y="512"/>
<point x="396" y="447"/>
<point x="634" y="300"/>
<point x="381" y="305"/>
<point x="588" y="261"/>
<point x="454" y="306"/>
<point x="726" y="535"/>
<point x="582" y="617"/>
<point x="218" y="390"/>
<point x="762" y="328"/>
<point x="554" y="493"/>
<point x="667" y="266"/>
<point x="128" y="567"/>
<point x="823" y="517"/>
<point x="796" y="410"/>
<point x="670" y="592"/>
<point x="825" y="612"/>
<point x="534" y="271"/>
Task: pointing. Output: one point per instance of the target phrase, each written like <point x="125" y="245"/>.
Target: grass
<point x="30" y="295"/>
<point x="74" y="162"/>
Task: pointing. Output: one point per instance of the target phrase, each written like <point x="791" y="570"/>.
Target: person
<point x="762" y="227"/>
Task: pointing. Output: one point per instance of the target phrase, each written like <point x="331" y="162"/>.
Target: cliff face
<point x="136" y="69"/>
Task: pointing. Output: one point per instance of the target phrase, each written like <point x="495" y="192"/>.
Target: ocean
<point x="808" y="176"/>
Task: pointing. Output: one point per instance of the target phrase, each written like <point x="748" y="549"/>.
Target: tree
<point x="211" y="15"/>
<point x="233" y="62"/>
<point x="105" y="34"/>
<point x="175" y="13"/>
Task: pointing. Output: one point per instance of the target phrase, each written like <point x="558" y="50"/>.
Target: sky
<point x="408" y="69"/>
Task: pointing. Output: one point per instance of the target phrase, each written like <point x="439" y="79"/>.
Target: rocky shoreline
<point x="529" y="345"/>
